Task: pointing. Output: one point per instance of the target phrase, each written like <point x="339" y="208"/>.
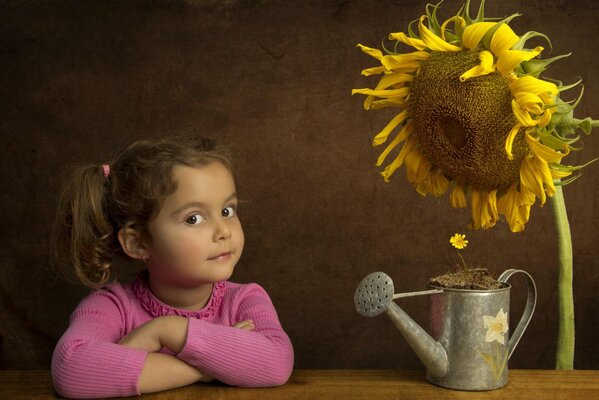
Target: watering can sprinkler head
<point x="374" y="294"/>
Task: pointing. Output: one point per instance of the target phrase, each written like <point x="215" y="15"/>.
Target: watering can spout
<point x="375" y="296"/>
<point x="428" y="350"/>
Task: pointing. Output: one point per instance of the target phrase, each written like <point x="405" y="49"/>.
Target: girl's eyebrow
<point x="199" y="204"/>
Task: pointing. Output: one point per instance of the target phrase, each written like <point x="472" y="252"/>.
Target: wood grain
<point x="343" y="385"/>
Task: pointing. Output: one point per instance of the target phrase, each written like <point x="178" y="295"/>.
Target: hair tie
<point x="106" y="170"/>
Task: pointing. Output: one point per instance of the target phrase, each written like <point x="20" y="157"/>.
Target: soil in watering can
<point x="474" y="279"/>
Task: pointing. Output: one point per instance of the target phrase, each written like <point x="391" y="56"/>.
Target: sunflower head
<point x="475" y="116"/>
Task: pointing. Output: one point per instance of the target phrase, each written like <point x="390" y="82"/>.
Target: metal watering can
<point x="470" y="346"/>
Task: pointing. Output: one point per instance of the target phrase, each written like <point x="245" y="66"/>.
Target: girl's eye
<point x="228" y="211"/>
<point x="194" y="219"/>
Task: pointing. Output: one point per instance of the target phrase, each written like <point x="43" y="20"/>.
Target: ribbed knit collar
<point x="157" y="308"/>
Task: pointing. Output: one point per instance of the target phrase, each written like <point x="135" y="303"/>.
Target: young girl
<point x="172" y="205"/>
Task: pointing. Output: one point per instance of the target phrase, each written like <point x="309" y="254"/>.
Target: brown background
<point x="272" y="79"/>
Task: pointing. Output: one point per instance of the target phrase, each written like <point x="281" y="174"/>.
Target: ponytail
<point x="83" y="237"/>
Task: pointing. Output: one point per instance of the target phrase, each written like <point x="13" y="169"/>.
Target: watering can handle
<point x="531" y="302"/>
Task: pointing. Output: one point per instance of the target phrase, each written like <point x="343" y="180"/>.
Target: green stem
<point x="463" y="262"/>
<point x="564" y="358"/>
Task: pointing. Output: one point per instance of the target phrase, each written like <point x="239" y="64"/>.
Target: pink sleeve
<point x="263" y="357"/>
<point x="87" y="362"/>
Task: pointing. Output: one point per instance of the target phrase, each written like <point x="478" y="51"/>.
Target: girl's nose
<point x="222" y="231"/>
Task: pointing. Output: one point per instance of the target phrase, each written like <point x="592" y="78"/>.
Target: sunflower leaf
<point x="534" y="67"/>
<point x="480" y="17"/>
<point x="559" y="182"/>
<point x="529" y="35"/>
<point x="433" y="23"/>
<point x="411" y="31"/>
<point x="563" y="88"/>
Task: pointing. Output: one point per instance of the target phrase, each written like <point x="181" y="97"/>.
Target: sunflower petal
<point x="503" y="39"/>
<point x="532" y="85"/>
<point x="508" y="206"/>
<point x="405" y="151"/>
<point x="510" y="59"/>
<point x="457" y="20"/>
<point x="382" y="136"/>
<point x="395" y="78"/>
<point x="402" y="37"/>
<point x="530" y="179"/>
<point x="376" y="53"/>
<point x="474" y="33"/>
<point x="403" y="135"/>
<point x="489" y="214"/>
<point x="559" y="173"/>
<point x="475" y="200"/>
<point x="545" y="153"/>
<point x="408" y="62"/>
<point x="510" y="140"/>
<point x="530" y="102"/>
<point x="457" y="198"/>
<point x="485" y="67"/>
<point x="437" y="183"/>
<point x="386" y="103"/>
<point x="433" y="41"/>
<point x="521" y="115"/>
<point x="373" y="71"/>
<point x="402" y="92"/>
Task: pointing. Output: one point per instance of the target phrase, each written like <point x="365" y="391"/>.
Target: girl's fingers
<point x="247" y="325"/>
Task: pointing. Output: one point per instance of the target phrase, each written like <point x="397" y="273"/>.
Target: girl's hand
<point x="144" y="337"/>
<point x="247" y="325"/>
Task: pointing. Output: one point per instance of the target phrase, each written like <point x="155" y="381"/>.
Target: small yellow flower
<point x="496" y="326"/>
<point x="458" y="241"/>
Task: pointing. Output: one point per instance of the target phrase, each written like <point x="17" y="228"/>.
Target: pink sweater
<point x="88" y="362"/>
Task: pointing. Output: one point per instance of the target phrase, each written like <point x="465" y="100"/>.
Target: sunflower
<point x="475" y="117"/>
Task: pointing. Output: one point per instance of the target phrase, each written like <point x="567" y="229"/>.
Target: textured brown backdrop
<point x="272" y="79"/>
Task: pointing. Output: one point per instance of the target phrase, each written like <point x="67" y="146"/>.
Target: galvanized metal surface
<point x="469" y="345"/>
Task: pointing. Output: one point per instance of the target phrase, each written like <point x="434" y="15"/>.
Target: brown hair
<point x="92" y="208"/>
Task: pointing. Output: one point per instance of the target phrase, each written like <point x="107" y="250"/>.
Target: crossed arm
<point x="164" y="371"/>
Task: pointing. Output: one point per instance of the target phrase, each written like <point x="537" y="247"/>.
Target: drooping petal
<point x="402" y="37"/>
<point x="457" y="20"/>
<point x="529" y="179"/>
<point x="545" y="153"/>
<point x="559" y="173"/>
<point x="510" y="59"/>
<point x="522" y="116"/>
<point x="485" y="67"/>
<point x="408" y="62"/>
<point x="376" y="53"/>
<point x="373" y="71"/>
<point x="475" y="201"/>
<point x="474" y="33"/>
<point x="488" y="210"/>
<point x="531" y="84"/>
<point x="530" y="102"/>
<point x="417" y="166"/>
<point x="436" y="183"/>
<point x="386" y="103"/>
<point x="403" y="135"/>
<point x="510" y="140"/>
<point x="433" y="41"/>
<point x="503" y="39"/>
<point x="382" y="136"/>
<point x="396" y="78"/>
<point x="457" y="198"/>
<point x="405" y="151"/>
<point x="402" y="92"/>
<point x="509" y="205"/>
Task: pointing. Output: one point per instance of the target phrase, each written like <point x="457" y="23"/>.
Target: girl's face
<point x="196" y="237"/>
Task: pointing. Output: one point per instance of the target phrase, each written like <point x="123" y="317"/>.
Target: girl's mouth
<point x="221" y="256"/>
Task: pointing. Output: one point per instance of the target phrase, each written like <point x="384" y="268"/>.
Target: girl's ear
<point x="132" y="244"/>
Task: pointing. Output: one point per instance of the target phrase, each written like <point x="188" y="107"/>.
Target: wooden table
<point x="345" y="384"/>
